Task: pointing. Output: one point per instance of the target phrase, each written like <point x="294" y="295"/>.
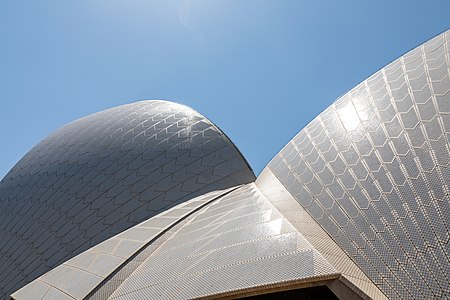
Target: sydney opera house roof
<point x="151" y="200"/>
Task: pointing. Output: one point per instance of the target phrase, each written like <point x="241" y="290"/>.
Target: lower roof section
<point x="230" y="244"/>
<point x="238" y="244"/>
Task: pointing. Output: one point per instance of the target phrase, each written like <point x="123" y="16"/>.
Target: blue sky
<point x="261" y="70"/>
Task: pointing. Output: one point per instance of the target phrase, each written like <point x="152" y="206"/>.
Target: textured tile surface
<point x="235" y="244"/>
<point x="286" y="204"/>
<point x="102" y="174"/>
<point x="81" y="275"/>
<point x="373" y="171"/>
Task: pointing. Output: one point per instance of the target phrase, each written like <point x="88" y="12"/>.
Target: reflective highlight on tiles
<point x="373" y="171"/>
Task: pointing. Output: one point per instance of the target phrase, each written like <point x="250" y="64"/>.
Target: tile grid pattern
<point x="286" y="204"/>
<point x="373" y="171"/>
<point x="238" y="242"/>
<point x="102" y="174"/>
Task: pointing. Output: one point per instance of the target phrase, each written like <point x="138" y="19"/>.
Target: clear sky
<point x="261" y="70"/>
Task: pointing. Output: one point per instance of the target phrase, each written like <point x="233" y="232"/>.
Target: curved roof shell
<point x="373" y="171"/>
<point x="102" y="174"/>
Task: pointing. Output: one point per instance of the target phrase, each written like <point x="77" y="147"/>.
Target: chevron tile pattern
<point x="102" y="174"/>
<point x="373" y="170"/>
